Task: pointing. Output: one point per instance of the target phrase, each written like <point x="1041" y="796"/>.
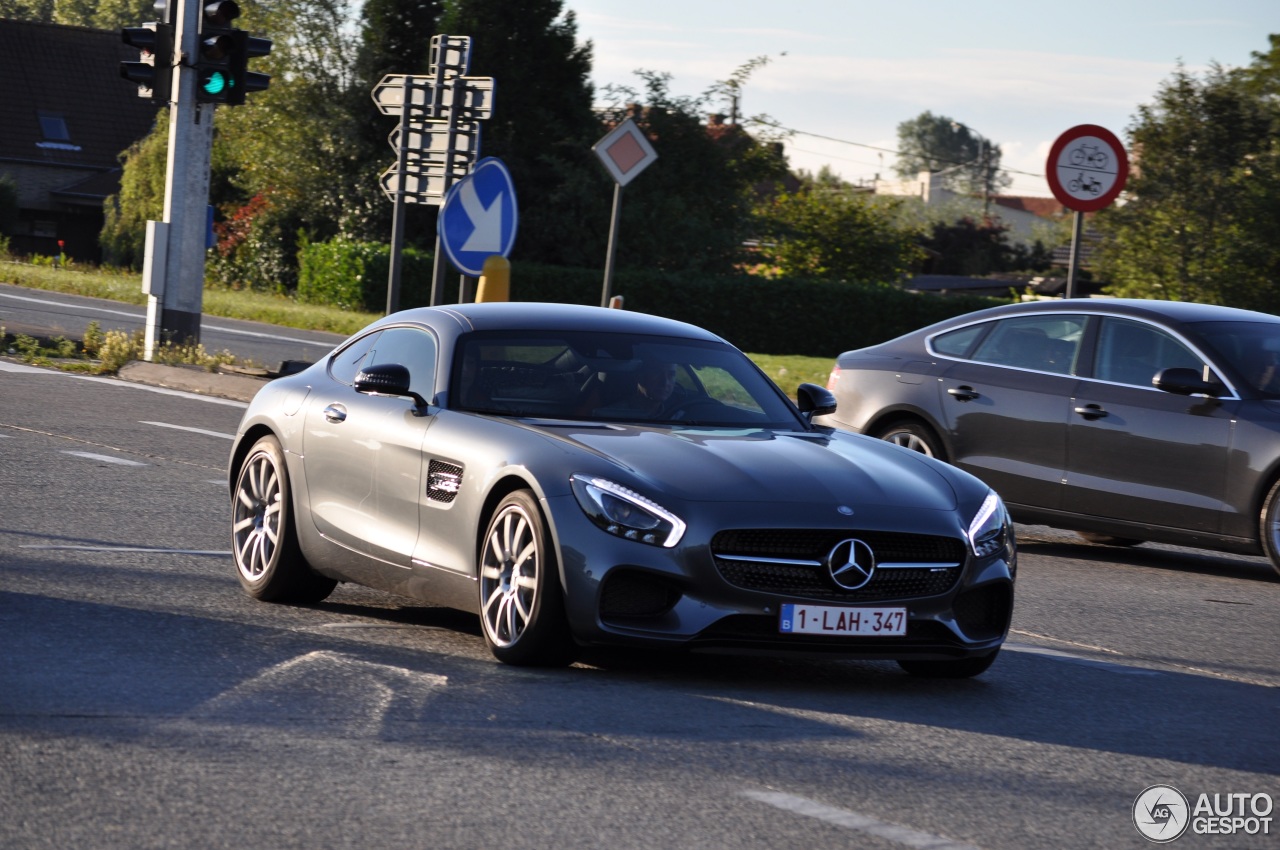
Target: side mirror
<point x="814" y="400"/>
<point x="1183" y="381"/>
<point x="389" y="379"/>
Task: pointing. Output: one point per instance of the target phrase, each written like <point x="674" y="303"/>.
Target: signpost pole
<point x="397" y="209"/>
<point x="1077" y="231"/>
<point x="613" y="243"/>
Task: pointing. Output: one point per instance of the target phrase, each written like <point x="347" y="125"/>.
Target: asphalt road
<point x="145" y="702"/>
<point x="38" y="313"/>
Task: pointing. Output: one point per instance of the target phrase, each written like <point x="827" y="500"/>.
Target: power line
<point x="893" y="151"/>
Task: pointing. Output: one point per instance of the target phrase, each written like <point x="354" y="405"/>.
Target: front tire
<point x="912" y="435"/>
<point x="264" y="544"/>
<point x="521" y="603"/>
<point x="961" y="668"/>
<point x="1269" y="527"/>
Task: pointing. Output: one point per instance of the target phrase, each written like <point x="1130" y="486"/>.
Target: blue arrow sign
<point x="479" y="217"/>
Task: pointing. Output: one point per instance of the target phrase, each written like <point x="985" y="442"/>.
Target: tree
<point x="966" y="161"/>
<point x="1198" y="221"/>
<point x="831" y="233"/>
<point x="543" y="125"/>
<point x="140" y="199"/>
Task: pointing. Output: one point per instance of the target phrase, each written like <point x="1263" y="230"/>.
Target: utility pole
<point x="173" y="313"/>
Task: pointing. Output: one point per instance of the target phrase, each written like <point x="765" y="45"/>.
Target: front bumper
<point x="621" y="592"/>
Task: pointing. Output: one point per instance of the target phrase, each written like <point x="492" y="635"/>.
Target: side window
<point x="958" y="342"/>
<point x="415" y="350"/>
<point x="1132" y="352"/>
<point x="1042" y="343"/>
<point x="348" y="362"/>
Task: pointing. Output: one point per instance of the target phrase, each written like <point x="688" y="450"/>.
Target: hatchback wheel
<point x="1269" y="526"/>
<point x="521" y="603"/>
<point x="265" y="547"/>
<point x="912" y="435"/>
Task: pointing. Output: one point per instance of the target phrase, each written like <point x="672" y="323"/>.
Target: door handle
<point x="335" y="413"/>
<point x="1091" y="411"/>
<point x="964" y="393"/>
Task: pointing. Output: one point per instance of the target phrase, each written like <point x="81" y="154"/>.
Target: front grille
<point x="749" y="559"/>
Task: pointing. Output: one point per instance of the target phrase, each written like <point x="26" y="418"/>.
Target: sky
<point x="846" y="73"/>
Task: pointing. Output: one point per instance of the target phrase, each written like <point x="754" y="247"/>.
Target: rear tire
<point x="521" y="603"/>
<point x="961" y="668"/>
<point x="1108" y="539"/>
<point x="263" y="541"/>
<point x="1269" y="527"/>
<point x="912" y="435"/>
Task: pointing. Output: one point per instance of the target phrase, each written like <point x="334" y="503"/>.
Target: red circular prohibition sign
<point x="1087" y="168"/>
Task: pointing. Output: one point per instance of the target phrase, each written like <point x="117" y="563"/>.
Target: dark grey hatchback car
<point x="1123" y="420"/>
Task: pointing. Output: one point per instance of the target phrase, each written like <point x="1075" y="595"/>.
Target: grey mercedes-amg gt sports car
<point x="581" y="476"/>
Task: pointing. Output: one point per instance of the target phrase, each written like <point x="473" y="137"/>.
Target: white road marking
<point x="23" y="369"/>
<point x="142" y="317"/>
<point x="1056" y="655"/>
<point x="896" y="833"/>
<point x="188" y="428"/>
<point x="104" y="458"/>
<point x="220" y="553"/>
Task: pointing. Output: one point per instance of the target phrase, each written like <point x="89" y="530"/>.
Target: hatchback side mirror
<point x="389" y="379"/>
<point x="814" y="400"/>
<point x="1183" y="381"/>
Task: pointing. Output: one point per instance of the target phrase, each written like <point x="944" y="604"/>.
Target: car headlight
<point x="626" y="513"/>
<point x="989" y="530"/>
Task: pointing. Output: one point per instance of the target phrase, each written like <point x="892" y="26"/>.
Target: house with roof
<point x="66" y="116"/>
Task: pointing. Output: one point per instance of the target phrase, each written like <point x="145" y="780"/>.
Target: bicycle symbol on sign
<point x="1089" y="156"/>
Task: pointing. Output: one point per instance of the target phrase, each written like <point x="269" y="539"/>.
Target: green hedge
<point x="763" y="316"/>
<point x="808" y="317"/>
<point x="353" y="275"/>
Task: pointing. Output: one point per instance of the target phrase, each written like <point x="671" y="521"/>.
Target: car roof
<point x="534" y="315"/>
<point x="1178" y="312"/>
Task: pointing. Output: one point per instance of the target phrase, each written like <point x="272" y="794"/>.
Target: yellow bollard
<point x="495" y="283"/>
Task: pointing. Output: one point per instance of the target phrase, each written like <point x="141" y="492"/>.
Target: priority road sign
<point x="625" y="152"/>
<point x="479" y="217"/>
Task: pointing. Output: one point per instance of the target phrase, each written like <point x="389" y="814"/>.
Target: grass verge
<point x="788" y="371"/>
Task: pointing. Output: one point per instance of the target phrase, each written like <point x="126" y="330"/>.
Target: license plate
<point x="829" y="620"/>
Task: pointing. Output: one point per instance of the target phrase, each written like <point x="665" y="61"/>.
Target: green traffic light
<point x="214" y="83"/>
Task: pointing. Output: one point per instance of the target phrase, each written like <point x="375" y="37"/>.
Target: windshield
<point x="605" y="377"/>
<point x="1252" y="348"/>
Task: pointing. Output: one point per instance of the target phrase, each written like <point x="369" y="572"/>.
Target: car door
<point x="363" y="453"/>
<point x="1006" y="406"/>
<point x="1140" y="454"/>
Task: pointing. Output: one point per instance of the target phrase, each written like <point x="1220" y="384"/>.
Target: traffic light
<point x="222" y="64"/>
<point x="213" y="51"/>
<point x="153" y="72"/>
<point x="244" y="81"/>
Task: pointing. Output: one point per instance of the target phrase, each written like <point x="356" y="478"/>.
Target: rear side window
<point x="958" y="343"/>
<point x="1040" y="343"/>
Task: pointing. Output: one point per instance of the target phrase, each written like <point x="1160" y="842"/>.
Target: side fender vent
<point x="444" y="480"/>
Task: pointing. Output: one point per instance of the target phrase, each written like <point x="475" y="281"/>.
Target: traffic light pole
<point x="173" y="314"/>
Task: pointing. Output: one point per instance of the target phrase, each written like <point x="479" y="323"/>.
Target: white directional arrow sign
<point x="466" y="97"/>
<point x="479" y="217"/>
<point x="437" y="137"/>
<point x="419" y="186"/>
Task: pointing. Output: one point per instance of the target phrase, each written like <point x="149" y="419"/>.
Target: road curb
<point x="193" y="380"/>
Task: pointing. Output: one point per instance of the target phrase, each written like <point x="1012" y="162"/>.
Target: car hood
<point x="761" y="466"/>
